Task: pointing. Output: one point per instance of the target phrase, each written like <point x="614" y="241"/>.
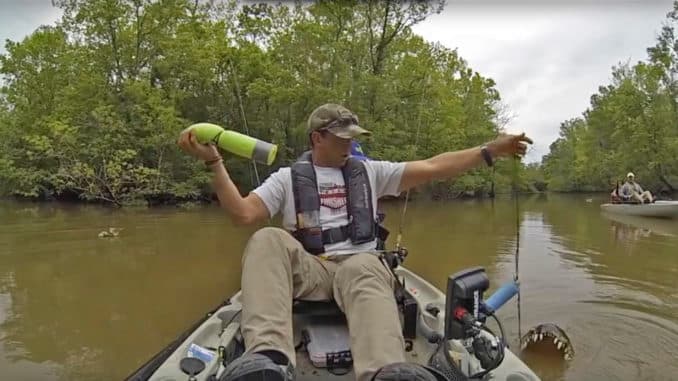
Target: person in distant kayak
<point x="323" y="254"/>
<point x="631" y="190"/>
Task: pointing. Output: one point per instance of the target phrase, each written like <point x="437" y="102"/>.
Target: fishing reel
<point x="395" y="258"/>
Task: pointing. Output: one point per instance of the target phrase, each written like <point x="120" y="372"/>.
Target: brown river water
<point x="77" y="307"/>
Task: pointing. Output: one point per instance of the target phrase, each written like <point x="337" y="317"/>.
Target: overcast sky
<point x="547" y="56"/>
<point x="547" y="60"/>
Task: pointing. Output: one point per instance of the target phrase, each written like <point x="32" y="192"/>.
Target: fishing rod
<point x="234" y="74"/>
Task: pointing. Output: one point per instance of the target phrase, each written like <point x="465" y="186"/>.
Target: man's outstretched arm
<point x="452" y="164"/>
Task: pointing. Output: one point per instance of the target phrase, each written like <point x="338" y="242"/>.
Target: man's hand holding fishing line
<point x="506" y="145"/>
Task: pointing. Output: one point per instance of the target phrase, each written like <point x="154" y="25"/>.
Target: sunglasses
<point x="341" y="122"/>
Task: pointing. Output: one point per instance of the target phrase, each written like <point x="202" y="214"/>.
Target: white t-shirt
<point x="276" y="192"/>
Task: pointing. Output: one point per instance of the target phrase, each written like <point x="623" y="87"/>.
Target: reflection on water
<point x="98" y="306"/>
<point x="74" y="306"/>
<point x="634" y="227"/>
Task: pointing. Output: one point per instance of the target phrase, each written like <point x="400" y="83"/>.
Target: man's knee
<point x="266" y="242"/>
<point x="269" y="233"/>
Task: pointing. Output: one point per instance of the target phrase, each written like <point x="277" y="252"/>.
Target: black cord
<point x="497" y="362"/>
<point x="500" y="352"/>
<point x="501" y="328"/>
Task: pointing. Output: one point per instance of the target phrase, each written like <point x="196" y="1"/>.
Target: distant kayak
<point x="663" y="209"/>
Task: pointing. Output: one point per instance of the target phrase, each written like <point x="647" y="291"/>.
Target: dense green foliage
<point x="91" y="107"/>
<point x="631" y="125"/>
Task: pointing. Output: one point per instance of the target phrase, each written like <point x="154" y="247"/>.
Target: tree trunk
<point x="667" y="183"/>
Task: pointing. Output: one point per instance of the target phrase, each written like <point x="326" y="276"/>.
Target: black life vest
<point x="361" y="226"/>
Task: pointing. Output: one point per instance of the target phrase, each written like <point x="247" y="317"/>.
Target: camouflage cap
<point x="336" y="119"/>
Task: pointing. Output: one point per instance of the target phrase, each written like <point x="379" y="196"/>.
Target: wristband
<point x="209" y="163"/>
<point x="486" y="155"/>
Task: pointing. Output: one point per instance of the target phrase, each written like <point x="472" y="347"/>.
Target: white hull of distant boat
<point x="664" y="209"/>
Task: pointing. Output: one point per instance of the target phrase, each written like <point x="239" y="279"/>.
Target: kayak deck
<point x="220" y="332"/>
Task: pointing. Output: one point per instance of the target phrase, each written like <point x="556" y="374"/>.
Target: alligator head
<point x="550" y="334"/>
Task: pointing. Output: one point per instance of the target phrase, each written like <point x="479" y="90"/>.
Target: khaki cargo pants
<point x="277" y="269"/>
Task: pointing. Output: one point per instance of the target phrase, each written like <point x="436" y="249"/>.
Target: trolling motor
<point x="465" y="315"/>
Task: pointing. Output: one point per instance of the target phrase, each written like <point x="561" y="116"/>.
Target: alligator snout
<point x="548" y="333"/>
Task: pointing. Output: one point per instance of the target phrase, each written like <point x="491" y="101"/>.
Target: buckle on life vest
<point x="334" y="235"/>
<point x="342" y="233"/>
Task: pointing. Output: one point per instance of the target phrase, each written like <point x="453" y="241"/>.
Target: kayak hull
<point x="222" y="329"/>
<point x="659" y="209"/>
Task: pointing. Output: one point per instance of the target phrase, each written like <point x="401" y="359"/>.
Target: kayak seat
<point x="316" y="308"/>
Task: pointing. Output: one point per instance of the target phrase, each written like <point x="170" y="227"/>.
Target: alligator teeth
<point x="560" y="345"/>
<point x="555" y="341"/>
<point x="534" y="337"/>
<point x="541" y="336"/>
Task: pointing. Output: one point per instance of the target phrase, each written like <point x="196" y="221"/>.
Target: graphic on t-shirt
<point x="332" y="196"/>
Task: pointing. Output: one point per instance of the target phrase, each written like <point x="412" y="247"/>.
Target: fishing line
<point x="414" y="149"/>
<point x="517" y="254"/>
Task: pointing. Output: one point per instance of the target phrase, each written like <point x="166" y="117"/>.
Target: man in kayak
<point x="631" y="190"/>
<point x="322" y="253"/>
